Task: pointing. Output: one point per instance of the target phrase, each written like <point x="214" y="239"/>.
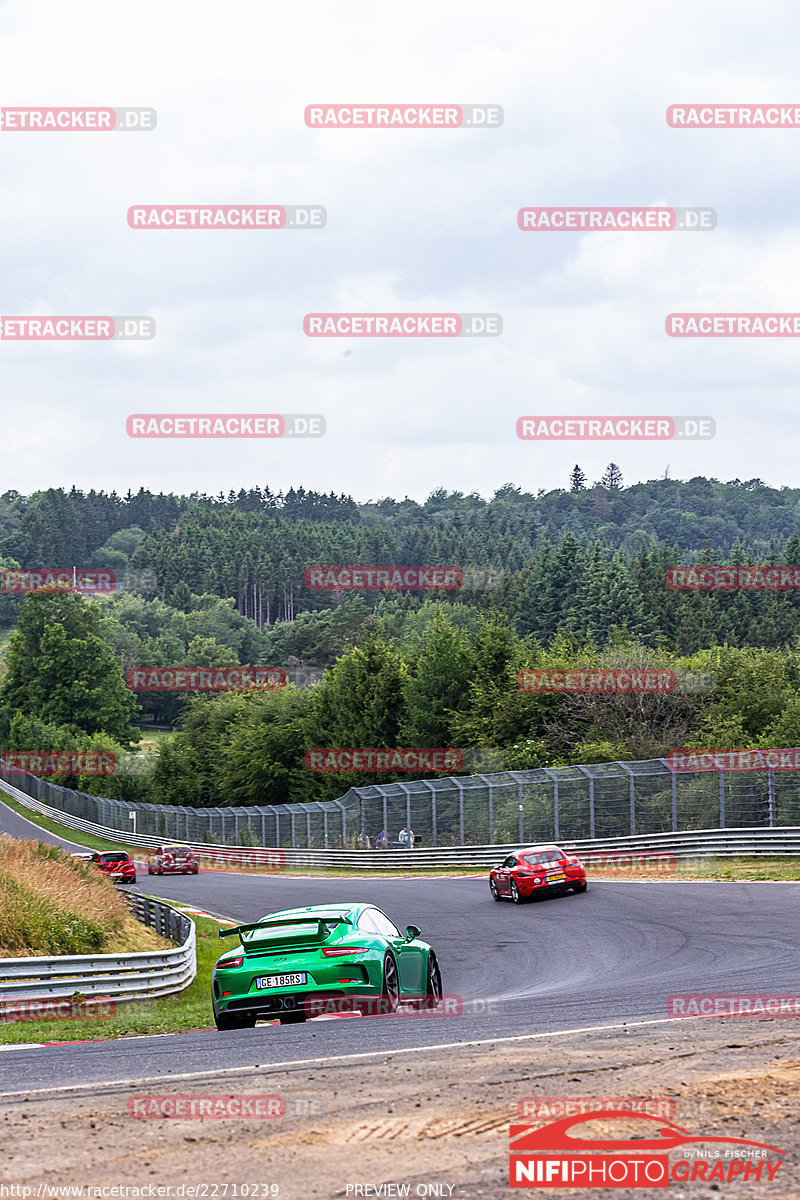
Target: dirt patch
<point x="422" y="1119"/>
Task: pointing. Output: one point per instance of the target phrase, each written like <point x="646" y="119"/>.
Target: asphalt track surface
<point x="609" y="956"/>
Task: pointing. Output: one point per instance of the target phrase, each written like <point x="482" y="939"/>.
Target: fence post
<point x="432" y="788"/>
<point x="674" y="802"/>
<point x="771" y="794"/>
<point x="722" y="799"/>
<point x="460" y="787"/>
<point x="325" y="825"/>
<point x="491" y="807"/>
<point x="632" y="794"/>
<point x="585" y="771"/>
<point x="344" y="820"/>
<point x="548" y="772"/>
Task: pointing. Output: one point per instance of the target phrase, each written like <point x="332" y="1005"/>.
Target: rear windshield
<point x="112" y="858"/>
<point x="182" y="850"/>
<point x="542" y="857"/>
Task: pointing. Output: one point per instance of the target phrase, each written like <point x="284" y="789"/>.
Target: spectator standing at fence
<point x="382" y="841"/>
<point x="402" y="838"/>
<point x="363" y="841"/>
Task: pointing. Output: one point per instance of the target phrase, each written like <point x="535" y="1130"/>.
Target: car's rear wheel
<point x="149" y="869"/>
<point x="433" y="986"/>
<point x="493" y="890"/>
<point x="232" y="1020"/>
<point x="516" y="895"/>
<point x="390" y="993"/>
<point x="580" y="887"/>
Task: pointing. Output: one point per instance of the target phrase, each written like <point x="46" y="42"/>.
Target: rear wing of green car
<point x="318" y="919"/>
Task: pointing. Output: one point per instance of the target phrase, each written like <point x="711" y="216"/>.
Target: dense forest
<point x="569" y="577"/>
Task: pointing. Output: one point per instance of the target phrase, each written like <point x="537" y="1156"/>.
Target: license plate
<point x="268" y="981"/>
<point x="560" y="878"/>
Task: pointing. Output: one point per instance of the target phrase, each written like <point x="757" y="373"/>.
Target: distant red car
<point x="173" y="860"/>
<point x="536" y="871"/>
<point x="117" y="865"/>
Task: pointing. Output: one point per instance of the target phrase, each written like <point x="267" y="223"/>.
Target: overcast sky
<point x="417" y="221"/>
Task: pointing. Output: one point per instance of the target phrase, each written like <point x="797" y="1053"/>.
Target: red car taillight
<point x="337" y="951"/>
<point x="230" y="962"/>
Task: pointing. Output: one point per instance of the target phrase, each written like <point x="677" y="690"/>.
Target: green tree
<point x="61" y="669"/>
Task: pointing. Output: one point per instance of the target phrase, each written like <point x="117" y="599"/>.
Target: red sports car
<point x="118" y="865"/>
<point x="172" y="860"/>
<point x="536" y="871"/>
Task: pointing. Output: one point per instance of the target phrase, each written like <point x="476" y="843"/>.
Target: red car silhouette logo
<point x="529" y="1139"/>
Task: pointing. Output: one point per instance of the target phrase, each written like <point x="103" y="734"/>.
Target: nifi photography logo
<point x="552" y="1156"/>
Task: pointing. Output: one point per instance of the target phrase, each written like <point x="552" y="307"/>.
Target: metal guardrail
<point x="118" y="977"/>
<point x="698" y="843"/>
<point x="583" y="801"/>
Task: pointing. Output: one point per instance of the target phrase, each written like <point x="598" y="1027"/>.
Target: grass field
<point x="51" y="904"/>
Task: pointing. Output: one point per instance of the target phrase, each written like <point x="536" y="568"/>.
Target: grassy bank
<point x="173" y="1014"/>
<point x="52" y="904"/>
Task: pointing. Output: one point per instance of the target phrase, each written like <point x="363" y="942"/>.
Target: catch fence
<point x="590" y="801"/>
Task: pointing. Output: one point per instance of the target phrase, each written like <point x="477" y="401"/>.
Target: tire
<point x="493" y="889"/>
<point x="433" y="984"/>
<point x="292" y="1018"/>
<point x="194" y="870"/>
<point x="580" y="887"/>
<point x="149" y="869"/>
<point x="390" y="990"/>
<point x="516" y="895"/>
<point x="228" y="1020"/>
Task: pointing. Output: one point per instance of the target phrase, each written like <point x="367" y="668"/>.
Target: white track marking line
<point x="24" y="1046"/>
<point x="268" y="1068"/>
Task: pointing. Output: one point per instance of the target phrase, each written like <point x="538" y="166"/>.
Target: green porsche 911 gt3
<point x="304" y="962"/>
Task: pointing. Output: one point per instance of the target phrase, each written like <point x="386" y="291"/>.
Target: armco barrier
<point x="117" y="977"/>
<point x="699" y="843"/>
<point x="592" y="801"/>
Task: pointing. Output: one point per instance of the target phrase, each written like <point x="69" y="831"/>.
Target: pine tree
<point x="612" y="478"/>
<point x="577" y="479"/>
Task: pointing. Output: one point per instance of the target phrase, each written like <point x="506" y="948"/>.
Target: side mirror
<point x="412" y="931"/>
